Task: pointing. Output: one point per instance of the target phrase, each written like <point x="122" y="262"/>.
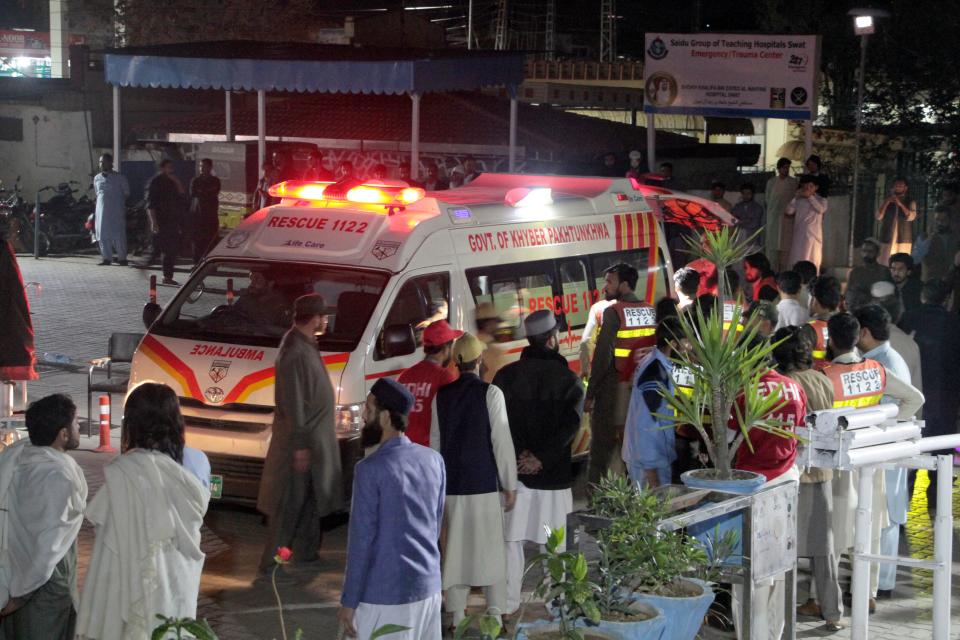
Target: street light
<point x="863" y="25"/>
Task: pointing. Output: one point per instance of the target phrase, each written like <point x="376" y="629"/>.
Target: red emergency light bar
<point x="389" y="195"/>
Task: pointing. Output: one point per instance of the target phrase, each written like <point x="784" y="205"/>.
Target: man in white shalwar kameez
<point x="112" y="191"/>
<point x="146" y="558"/>
<point x="42" y="496"/>
<point x="469" y="428"/>
<point x="807" y="210"/>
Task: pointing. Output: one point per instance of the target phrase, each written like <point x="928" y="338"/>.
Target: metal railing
<point x="585" y="70"/>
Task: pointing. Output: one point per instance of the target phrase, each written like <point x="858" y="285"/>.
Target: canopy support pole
<point x="651" y="143"/>
<point x="261" y="129"/>
<point x="512" y="161"/>
<point x="116" y="126"/>
<point x="228" y="116"/>
<point x="415" y="137"/>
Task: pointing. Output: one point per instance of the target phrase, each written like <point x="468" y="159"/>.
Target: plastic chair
<point x="120" y="351"/>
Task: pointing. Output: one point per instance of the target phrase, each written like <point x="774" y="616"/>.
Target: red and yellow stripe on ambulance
<point x="230" y="374"/>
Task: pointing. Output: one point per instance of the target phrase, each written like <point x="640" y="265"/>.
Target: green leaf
<point x="462" y="627"/>
<point x="591" y="610"/>
<point x="200" y="629"/>
<point x="490" y="627"/>
<point x="556" y="568"/>
<point x="579" y="568"/>
<point x="387" y="629"/>
<point x="298" y="634"/>
<point x="160" y="632"/>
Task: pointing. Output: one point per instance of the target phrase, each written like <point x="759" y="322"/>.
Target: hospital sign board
<point x="728" y="75"/>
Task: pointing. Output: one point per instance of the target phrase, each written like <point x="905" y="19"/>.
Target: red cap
<point x="439" y="333"/>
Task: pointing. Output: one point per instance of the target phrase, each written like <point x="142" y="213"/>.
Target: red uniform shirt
<point x="423" y="380"/>
<point x="773" y="455"/>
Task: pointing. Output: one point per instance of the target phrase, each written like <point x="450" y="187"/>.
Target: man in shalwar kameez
<point x="112" y="191"/>
<point x="470" y="429"/>
<point x="42" y="497"/>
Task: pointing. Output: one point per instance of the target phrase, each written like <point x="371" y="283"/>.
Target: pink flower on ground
<point x="283" y="555"/>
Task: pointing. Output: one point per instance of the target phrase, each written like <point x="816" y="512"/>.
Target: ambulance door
<point x="417" y="298"/>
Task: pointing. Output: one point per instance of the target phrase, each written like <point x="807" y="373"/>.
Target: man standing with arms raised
<point x="301" y="475"/>
<point x="626" y="332"/>
<point x="42" y="497"/>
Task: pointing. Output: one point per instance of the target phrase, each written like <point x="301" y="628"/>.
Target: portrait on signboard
<point x="661" y="89"/>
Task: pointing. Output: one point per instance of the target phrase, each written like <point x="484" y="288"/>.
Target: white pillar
<point x="228" y="113"/>
<point x="861" y="546"/>
<point x="651" y="143"/>
<point x="261" y="129"/>
<point x="116" y="126"/>
<point x="943" y="548"/>
<point x="512" y="160"/>
<point x="415" y="137"/>
<point x="59" y="45"/>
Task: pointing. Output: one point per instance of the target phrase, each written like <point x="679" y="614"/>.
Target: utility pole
<point x="470" y="24"/>
<point x="549" y="23"/>
<point x="500" y="37"/>
<point x="608" y="30"/>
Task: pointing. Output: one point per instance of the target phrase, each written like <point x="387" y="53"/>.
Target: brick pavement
<point x="76" y="307"/>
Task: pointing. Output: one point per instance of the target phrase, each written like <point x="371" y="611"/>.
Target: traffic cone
<point x="105" y="426"/>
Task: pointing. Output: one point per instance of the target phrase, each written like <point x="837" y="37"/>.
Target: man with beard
<point x="939" y="247"/>
<point x="393" y="561"/>
<point x="301" y="473"/>
<point x="470" y="429"/>
<point x="42" y="497"/>
<point x="426" y="377"/>
<point x="544" y="406"/>
<point x="626" y="332"/>
<point x="907" y="284"/>
<point x="761" y="278"/>
<point x="864" y="275"/>
<point x="896" y="215"/>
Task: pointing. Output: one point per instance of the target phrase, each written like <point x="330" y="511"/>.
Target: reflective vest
<point x="820" y="346"/>
<point x="638" y="323"/>
<point x="682" y="379"/>
<point x="729" y="306"/>
<point x="858" y="385"/>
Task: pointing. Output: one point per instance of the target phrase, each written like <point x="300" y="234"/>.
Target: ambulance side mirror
<point x="397" y="340"/>
<point x="151" y="311"/>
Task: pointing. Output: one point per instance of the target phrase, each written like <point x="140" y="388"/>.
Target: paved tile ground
<point x="78" y="304"/>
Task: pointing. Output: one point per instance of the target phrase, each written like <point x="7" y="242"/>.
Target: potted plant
<point x="574" y="597"/>
<point x="724" y="365"/>
<point x="641" y="564"/>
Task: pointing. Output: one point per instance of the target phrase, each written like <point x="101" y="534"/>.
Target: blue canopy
<point x="303" y="67"/>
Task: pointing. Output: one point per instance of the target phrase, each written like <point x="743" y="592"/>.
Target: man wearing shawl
<point x="42" y="496"/>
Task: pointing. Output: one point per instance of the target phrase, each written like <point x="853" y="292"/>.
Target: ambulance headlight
<point x="349" y="421"/>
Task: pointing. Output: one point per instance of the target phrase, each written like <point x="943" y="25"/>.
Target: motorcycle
<point x="63" y="216"/>
<point x="17" y="221"/>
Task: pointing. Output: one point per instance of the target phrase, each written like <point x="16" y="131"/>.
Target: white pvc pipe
<point x="861" y="566"/>
<point x="935" y="443"/>
<point x="415" y="137"/>
<point x="512" y="162"/>
<point x="261" y="129"/>
<point x="882" y="453"/>
<point x="943" y="547"/>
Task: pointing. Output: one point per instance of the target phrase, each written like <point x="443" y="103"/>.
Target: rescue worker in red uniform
<point x="825" y="298"/>
<point x="426" y="377"/>
<point x="626" y="335"/>
<point x="860" y="382"/>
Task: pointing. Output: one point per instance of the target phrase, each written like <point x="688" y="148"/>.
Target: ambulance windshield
<point x="248" y="302"/>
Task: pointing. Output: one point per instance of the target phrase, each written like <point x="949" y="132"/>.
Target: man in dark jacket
<point x="165" y="196"/>
<point x="937" y="333"/>
<point x="544" y="405"/>
<point x="204" y="209"/>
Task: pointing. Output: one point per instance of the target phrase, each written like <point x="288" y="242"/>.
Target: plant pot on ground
<point x="551" y="631"/>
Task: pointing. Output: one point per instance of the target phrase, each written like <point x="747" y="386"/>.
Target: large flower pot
<point x="543" y="629"/>
<point x="649" y="629"/>
<point x="683" y="615"/>
<point x="746" y="482"/>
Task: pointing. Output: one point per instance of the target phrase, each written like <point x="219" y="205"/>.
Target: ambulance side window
<point x="419" y="302"/>
<point x="576" y="292"/>
<point x="515" y="291"/>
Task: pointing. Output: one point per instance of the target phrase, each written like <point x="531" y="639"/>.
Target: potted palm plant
<point x="725" y="364"/>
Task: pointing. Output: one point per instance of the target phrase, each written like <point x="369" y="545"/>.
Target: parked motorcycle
<point x="139" y="238"/>
<point x="17" y="220"/>
<point x="63" y="216"/>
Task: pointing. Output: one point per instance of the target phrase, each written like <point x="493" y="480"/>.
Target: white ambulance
<point x="386" y="257"/>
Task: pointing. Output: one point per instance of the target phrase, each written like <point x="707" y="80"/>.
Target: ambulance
<point x="388" y="259"/>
